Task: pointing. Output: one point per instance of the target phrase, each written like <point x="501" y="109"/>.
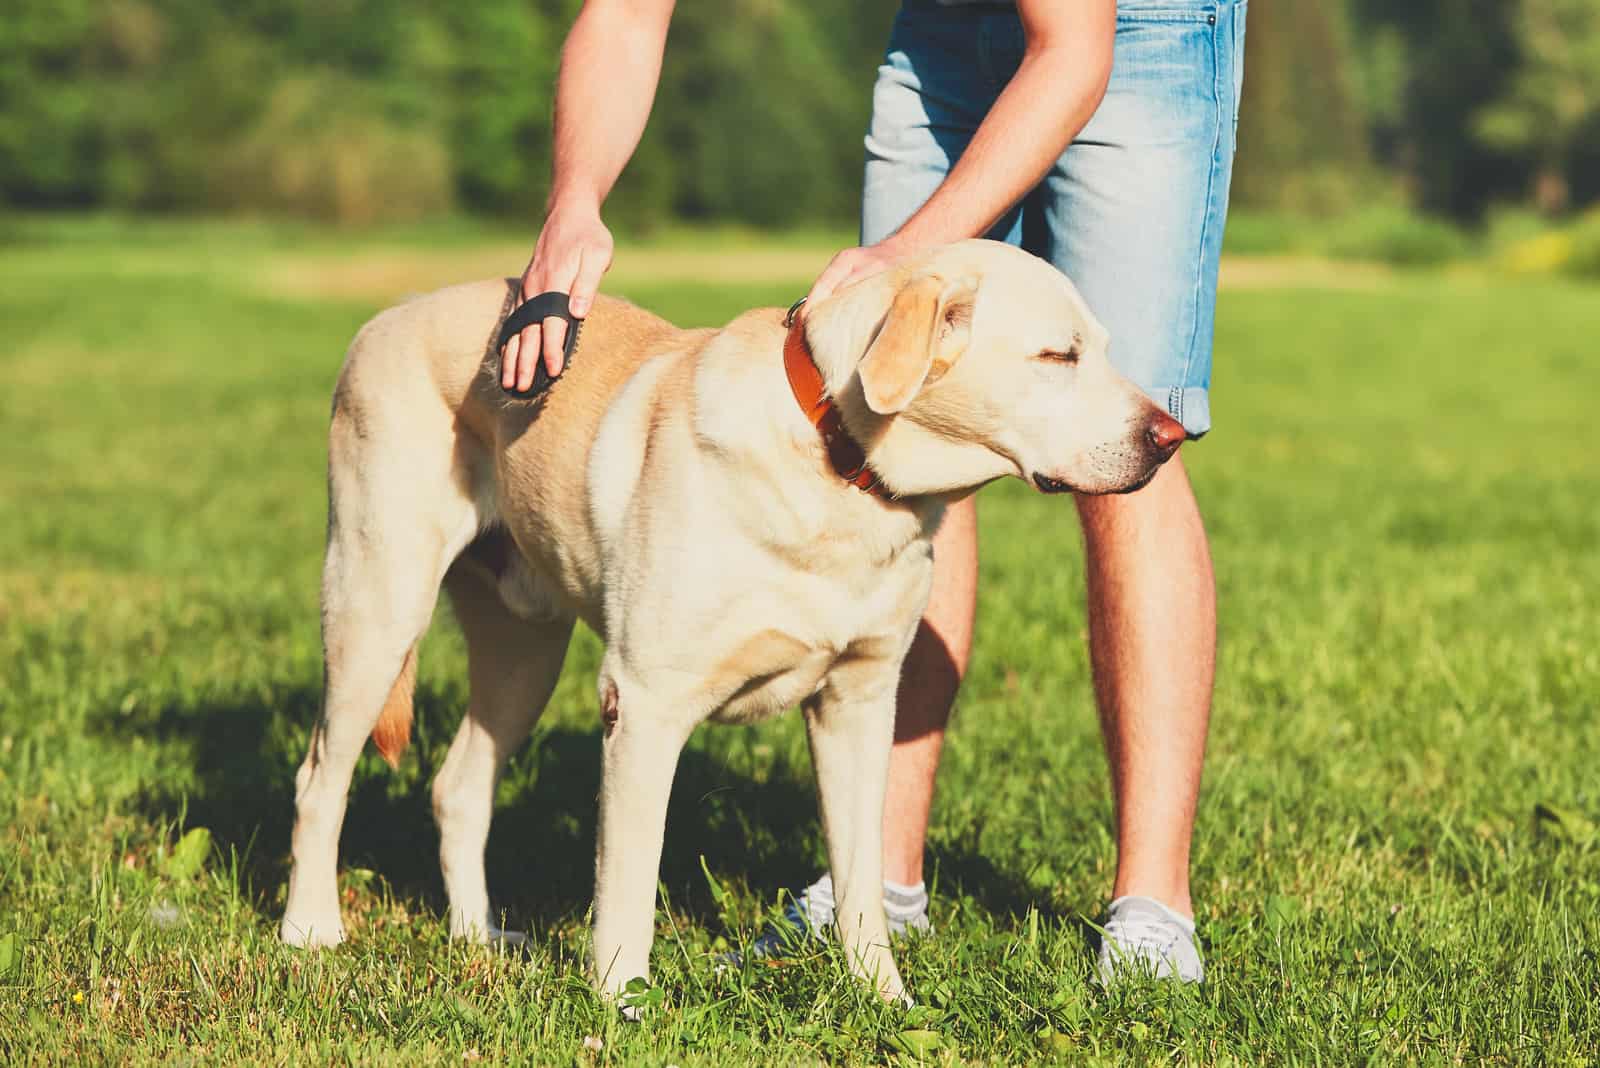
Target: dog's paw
<point x="507" y="940"/>
<point x="485" y="933"/>
<point x="311" y="932"/>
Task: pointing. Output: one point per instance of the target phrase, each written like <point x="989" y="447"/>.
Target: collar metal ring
<point x="788" y="320"/>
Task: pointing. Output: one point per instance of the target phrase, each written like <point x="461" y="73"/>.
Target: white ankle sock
<point x="903" y="905"/>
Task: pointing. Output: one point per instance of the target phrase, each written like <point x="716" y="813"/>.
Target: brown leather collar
<point x="845" y="454"/>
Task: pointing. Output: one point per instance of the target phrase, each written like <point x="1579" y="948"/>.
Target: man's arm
<point x="1052" y="96"/>
<point x="610" y="66"/>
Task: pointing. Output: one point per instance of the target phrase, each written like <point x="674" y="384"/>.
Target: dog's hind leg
<point x="512" y="665"/>
<point x="398" y="515"/>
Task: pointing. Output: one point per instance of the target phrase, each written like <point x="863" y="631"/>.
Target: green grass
<point x="1396" y="857"/>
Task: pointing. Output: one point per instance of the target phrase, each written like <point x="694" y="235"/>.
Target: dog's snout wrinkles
<point x="1166" y="433"/>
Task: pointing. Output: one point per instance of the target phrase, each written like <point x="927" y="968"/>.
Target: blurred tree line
<point x="1459" y="103"/>
<point x="357" y="110"/>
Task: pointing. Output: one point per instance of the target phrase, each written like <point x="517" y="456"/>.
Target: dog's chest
<point x="827" y="639"/>
<point x="769" y="692"/>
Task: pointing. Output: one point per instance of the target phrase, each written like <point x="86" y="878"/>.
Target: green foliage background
<point x="357" y="110"/>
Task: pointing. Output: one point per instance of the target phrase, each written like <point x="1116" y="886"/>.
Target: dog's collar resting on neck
<point x="845" y="454"/>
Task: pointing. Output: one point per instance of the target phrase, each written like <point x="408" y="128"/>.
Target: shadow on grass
<point x="540" y="856"/>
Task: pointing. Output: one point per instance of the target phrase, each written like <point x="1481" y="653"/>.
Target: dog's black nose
<point x="1166" y="434"/>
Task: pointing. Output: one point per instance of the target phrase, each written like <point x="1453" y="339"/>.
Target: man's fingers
<point x="837" y="270"/>
<point x="508" y="363"/>
<point x="538" y="340"/>
<point x="555" y="336"/>
<point x="527" y="344"/>
<point x="596" y="261"/>
<point x="521" y="353"/>
<point x="849" y="267"/>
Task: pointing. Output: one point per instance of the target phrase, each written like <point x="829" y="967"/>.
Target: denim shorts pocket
<point x="1165" y="78"/>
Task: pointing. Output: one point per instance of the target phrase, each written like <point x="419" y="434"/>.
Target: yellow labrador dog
<point x="697" y="506"/>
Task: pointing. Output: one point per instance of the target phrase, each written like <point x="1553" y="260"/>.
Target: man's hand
<point x="854" y="264"/>
<point x="573" y="252"/>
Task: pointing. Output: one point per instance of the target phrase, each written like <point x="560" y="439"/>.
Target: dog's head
<point x="976" y="361"/>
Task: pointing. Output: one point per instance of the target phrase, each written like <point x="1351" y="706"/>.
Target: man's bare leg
<point x="1152" y="625"/>
<point x="1152" y="644"/>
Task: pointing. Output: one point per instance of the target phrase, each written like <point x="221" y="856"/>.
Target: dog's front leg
<point x="850" y="742"/>
<point x="642" y="742"/>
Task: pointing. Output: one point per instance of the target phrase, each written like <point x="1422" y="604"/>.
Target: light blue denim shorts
<point x="1132" y="212"/>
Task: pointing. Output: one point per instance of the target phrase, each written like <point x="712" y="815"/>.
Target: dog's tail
<point x="393" y="732"/>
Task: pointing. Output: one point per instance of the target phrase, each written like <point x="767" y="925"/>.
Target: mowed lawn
<point x="1397" y="856"/>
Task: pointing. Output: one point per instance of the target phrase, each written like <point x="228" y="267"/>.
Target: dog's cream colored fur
<point x="669" y="492"/>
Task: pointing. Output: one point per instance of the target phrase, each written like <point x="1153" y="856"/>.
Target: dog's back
<point x="445" y="340"/>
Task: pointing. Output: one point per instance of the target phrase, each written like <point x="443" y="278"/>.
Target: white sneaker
<point x="1144" y="936"/>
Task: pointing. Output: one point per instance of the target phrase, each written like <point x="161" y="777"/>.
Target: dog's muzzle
<point x="1161" y="439"/>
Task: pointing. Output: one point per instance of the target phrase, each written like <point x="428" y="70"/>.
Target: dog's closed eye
<point x="1069" y="357"/>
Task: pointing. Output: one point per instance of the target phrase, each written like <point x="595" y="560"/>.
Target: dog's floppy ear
<point x="927" y="329"/>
